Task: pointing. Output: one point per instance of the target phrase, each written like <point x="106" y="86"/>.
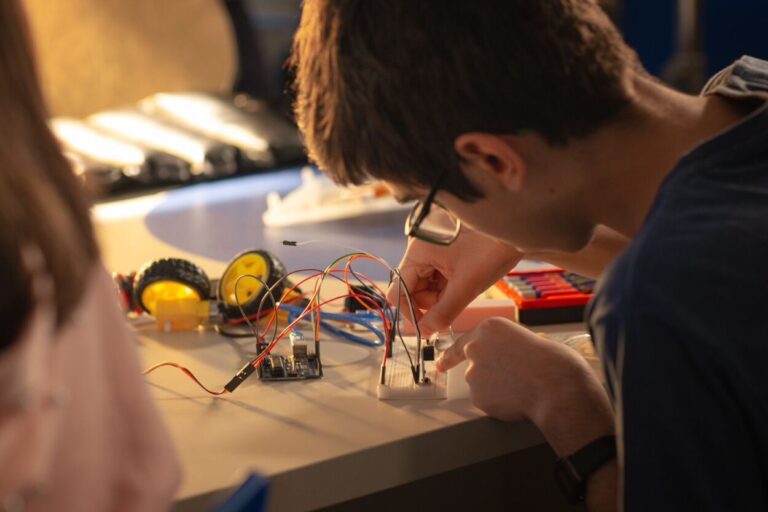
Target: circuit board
<point x="396" y="381"/>
<point x="302" y="364"/>
<point x="276" y="368"/>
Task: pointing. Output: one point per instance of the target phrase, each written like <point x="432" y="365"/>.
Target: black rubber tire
<point x="171" y="269"/>
<point x="275" y="272"/>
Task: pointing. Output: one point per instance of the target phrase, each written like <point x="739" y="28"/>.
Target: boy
<point x="527" y="127"/>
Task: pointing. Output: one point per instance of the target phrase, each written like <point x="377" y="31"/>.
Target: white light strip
<point x="145" y="130"/>
<point x="207" y="114"/>
<point x="88" y="141"/>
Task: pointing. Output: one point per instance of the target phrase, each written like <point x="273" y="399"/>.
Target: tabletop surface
<point x="321" y="441"/>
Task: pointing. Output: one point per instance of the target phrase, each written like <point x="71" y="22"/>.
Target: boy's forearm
<point x="605" y="246"/>
<point x="602" y="489"/>
<point x="573" y="416"/>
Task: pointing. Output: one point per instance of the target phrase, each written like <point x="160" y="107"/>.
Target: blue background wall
<point x="731" y="28"/>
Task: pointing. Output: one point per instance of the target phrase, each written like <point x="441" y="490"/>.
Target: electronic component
<point x="396" y="380"/>
<point x="416" y="378"/>
<point x="169" y="279"/>
<point x="273" y="367"/>
<point x="442" y="341"/>
<point x="371" y="297"/>
<point x="299" y="345"/>
<point x="238" y="379"/>
<point x="252" y="296"/>
<point x="296" y="366"/>
<point x="303" y="363"/>
<point x="176" y="291"/>
<point x="548" y="296"/>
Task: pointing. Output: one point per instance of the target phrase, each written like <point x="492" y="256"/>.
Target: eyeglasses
<point x="431" y="222"/>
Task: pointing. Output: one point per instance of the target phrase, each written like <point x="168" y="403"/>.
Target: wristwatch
<point x="573" y="471"/>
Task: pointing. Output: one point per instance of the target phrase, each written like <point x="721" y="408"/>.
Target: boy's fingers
<point x="408" y="277"/>
<point x="453" y="354"/>
<point x="452" y="301"/>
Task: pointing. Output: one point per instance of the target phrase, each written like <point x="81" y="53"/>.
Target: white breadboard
<point x="398" y="379"/>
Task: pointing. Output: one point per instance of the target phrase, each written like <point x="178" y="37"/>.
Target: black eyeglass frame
<point x="412" y="226"/>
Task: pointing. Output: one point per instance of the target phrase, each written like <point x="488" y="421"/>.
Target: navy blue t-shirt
<point x="681" y="321"/>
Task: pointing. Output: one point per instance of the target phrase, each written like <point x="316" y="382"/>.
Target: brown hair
<point x="383" y="87"/>
<point x="41" y="201"/>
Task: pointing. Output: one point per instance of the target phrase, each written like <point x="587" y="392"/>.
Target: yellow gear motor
<point x="250" y="292"/>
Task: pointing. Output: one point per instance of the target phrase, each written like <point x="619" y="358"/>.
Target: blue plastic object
<point x="251" y="496"/>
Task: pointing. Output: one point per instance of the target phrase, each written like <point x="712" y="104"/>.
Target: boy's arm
<point x="591" y="261"/>
<point x="443" y="280"/>
<point x="515" y="374"/>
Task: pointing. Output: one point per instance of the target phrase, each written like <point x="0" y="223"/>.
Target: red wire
<point x="348" y="270"/>
<point x="273" y="318"/>
<point x="387" y="325"/>
<point x="315" y="275"/>
<point x="264" y="313"/>
<point x="187" y="372"/>
<point x="288" y="328"/>
<point x="271" y="310"/>
<point x="375" y="308"/>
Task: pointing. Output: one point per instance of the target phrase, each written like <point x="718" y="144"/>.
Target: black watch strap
<point x="573" y="471"/>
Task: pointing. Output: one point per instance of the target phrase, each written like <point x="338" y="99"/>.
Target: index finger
<point x="453" y="354"/>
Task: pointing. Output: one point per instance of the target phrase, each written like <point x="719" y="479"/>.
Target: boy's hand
<point x="443" y="280"/>
<point x="514" y="375"/>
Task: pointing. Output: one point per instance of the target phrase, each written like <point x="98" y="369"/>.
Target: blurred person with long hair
<point x="77" y="427"/>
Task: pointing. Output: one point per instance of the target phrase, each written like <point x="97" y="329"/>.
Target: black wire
<point x="395" y="319"/>
<point x="275" y="305"/>
<point x="283" y="278"/>
<point x="258" y="314"/>
<point x="370" y="290"/>
<point x="413" y="313"/>
<point x="394" y="270"/>
<point x="400" y="282"/>
<point x="269" y="292"/>
<point x="232" y="334"/>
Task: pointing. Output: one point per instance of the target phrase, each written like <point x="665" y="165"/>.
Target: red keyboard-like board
<point x="548" y="296"/>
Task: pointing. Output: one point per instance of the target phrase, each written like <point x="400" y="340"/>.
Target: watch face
<point x="569" y="481"/>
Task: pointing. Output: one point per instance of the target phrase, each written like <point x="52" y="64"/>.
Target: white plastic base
<point x="398" y="378"/>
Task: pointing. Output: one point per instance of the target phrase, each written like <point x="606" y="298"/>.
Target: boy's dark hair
<point x="384" y="87"/>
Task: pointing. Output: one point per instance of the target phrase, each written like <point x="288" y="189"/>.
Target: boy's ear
<point x="492" y="157"/>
